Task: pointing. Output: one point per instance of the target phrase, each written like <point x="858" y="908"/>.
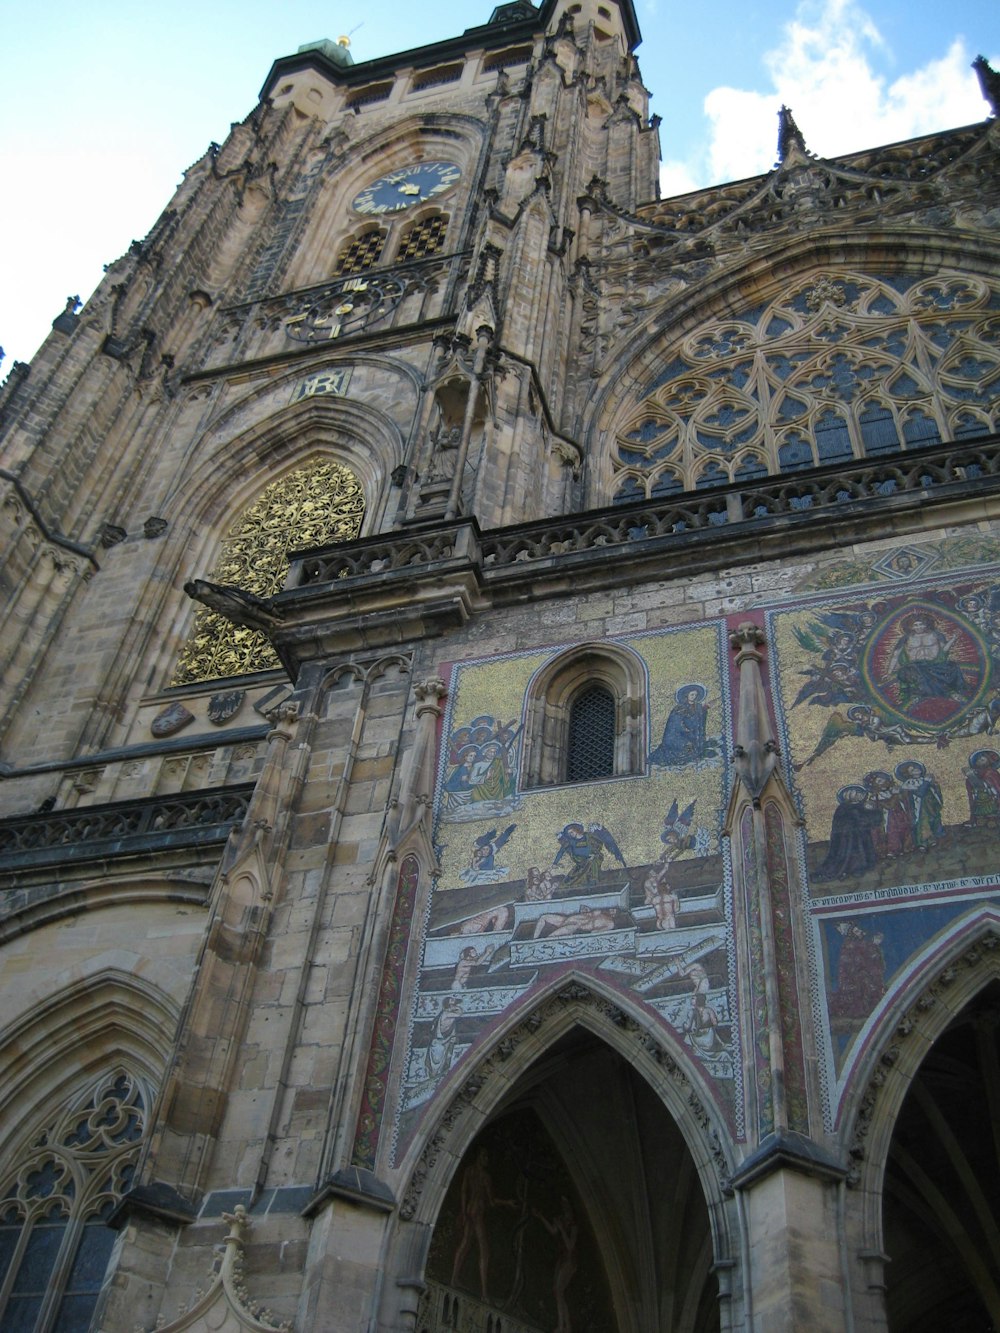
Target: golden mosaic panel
<point x="312" y="506"/>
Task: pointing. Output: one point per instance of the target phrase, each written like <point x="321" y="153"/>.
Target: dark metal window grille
<point x="423" y="238"/>
<point x="516" y="55"/>
<point x="436" y="77"/>
<point x="361" y="252"/>
<point x="376" y="92"/>
<point x="591" y="748"/>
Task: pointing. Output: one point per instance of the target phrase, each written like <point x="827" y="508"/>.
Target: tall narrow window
<point x="309" y="507"/>
<point x="585" y="718"/>
<point x="55" y="1201"/>
<point x="591" y="747"/>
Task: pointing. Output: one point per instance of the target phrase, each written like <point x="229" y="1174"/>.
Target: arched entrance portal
<point x="577" y="1207"/>
<point x="941" y="1195"/>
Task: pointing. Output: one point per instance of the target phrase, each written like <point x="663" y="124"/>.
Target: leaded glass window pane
<point x="591" y="745"/>
<point x="73" y="1172"/>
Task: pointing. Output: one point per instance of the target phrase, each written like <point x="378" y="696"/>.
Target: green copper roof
<point x="334" y="51"/>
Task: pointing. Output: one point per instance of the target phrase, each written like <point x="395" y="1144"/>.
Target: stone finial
<point x="790" y="137"/>
<point x="989" y="82"/>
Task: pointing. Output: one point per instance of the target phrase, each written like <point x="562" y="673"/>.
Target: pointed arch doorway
<point x="941" y="1191"/>
<point x="576" y="1209"/>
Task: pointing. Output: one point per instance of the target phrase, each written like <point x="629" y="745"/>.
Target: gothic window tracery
<point x="843" y="366"/>
<point x="361" y="251"/>
<point x="312" y="506"/>
<point x="55" y="1201"/>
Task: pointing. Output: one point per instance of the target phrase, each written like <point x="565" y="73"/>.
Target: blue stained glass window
<point x="39" y="1257"/>
<point x="668" y="483"/>
<point x="9" y="1236"/>
<point x="878" y="431"/>
<point x="919" y="428"/>
<point x="795" y="454"/>
<point x="833" y="442"/>
<point x="750" y="468"/>
<point x="711" y="475"/>
<point x="630" y="489"/>
<point x="52" y="1266"/>
<point x="968" y="427"/>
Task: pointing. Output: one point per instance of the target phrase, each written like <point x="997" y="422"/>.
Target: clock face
<point x="346" y="307"/>
<point x="406" y="187"/>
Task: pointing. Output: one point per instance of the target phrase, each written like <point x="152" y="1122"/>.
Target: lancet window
<point x="55" y="1200"/>
<point x="312" y="506"/>
<point x="844" y="366"/>
<point x="585" y="718"/>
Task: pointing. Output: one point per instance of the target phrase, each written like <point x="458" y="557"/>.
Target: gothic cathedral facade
<point x="499" y="747"/>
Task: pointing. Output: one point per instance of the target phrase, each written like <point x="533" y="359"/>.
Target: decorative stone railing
<point x="386" y="554"/>
<point x="186" y="819"/>
<point x="941" y="472"/>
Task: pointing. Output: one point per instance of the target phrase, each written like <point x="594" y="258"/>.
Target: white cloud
<point x="677" y="177"/>
<point x="825" y="68"/>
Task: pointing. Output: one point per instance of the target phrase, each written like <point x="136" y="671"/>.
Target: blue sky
<point x="103" y="105"/>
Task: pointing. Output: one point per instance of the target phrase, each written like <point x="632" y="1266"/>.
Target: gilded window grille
<point x="361" y="252"/>
<point x="55" y="1200"/>
<point x="424" y="237"/>
<point x="312" y="506"/>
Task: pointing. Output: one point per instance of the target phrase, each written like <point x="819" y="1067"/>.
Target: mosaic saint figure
<point x="458" y="784"/>
<point x="924" y="801"/>
<point x="684" y="736"/>
<point x="982" y="784"/>
<point x="896" y="833"/>
<point x="921" y="662"/>
<point x="484" y="851"/>
<point x="852" y="842"/>
<point x="490" y="775"/>
<point x="585" y="849"/>
<point x="860" y="973"/>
